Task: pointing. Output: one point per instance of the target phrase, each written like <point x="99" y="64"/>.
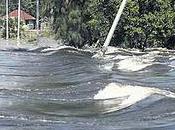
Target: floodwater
<point x="62" y="88"/>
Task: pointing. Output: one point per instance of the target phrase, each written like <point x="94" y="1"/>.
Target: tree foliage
<point x="149" y="23"/>
<point x="26" y="5"/>
<point x="144" y="23"/>
<point x="13" y="23"/>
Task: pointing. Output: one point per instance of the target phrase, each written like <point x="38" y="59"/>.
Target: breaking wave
<point x="128" y="95"/>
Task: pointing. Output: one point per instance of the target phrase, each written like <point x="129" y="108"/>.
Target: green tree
<point x="12" y="28"/>
<point x="150" y="23"/>
<point x="144" y="23"/>
<point x="67" y="22"/>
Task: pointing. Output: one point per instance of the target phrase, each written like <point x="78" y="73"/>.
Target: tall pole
<point x="114" y="25"/>
<point x="7" y="20"/>
<point x="19" y="17"/>
<point x="37" y="17"/>
<point x="111" y="32"/>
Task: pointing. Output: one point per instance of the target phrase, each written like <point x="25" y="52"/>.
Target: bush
<point x="13" y="23"/>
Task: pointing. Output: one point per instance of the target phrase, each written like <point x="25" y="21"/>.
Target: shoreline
<point x="52" y="43"/>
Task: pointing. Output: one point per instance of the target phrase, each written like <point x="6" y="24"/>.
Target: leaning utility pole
<point x="19" y="19"/>
<point x="114" y="25"/>
<point x="111" y="32"/>
<point x="7" y="20"/>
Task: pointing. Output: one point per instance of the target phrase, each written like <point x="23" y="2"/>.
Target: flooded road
<point x="66" y="89"/>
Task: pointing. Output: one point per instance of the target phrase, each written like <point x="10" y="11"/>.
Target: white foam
<point x="134" y="94"/>
<point x="172" y="58"/>
<point x="58" y="48"/>
<point x="111" y="49"/>
<point x="134" y="63"/>
<point x="108" y="52"/>
<point x="107" y="66"/>
<point x="120" y="57"/>
<point x="172" y="64"/>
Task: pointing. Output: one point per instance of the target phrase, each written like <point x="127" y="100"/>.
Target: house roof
<point x="23" y="14"/>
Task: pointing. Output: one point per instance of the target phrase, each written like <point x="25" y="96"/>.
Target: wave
<point x="107" y="66"/>
<point x="46" y="50"/>
<point x="43" y="45"/>
<point x="132" y="60"/>
<point x="59" y="48"/>
<point x="172" y="63"/>
<point x="130" y="95"/>
<point x="134" y="63"/>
